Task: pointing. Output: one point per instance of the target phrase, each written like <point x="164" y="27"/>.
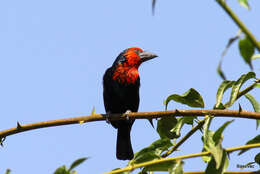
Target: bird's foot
<point x="126" y="114"/>
<point x="107" y="118"/>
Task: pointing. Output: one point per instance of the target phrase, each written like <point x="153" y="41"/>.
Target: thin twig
<point x="249" y="88"/>
<point x="239" y="23"/>
<point x="190" y="133"/>
<point x="163" y="160"/>
<point x="134" y="115"/>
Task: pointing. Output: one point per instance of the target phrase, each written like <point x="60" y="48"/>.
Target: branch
<point x="162" y="160"/>
<point x="134" y="115"/>
<point x="239" y="23"/>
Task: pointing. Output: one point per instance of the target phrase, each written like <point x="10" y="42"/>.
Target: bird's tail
<point x="124" y="149"/>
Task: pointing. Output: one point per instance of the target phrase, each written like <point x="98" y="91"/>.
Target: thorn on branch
<point x="151" y="122"/>
<point x="2" y="139"/>
<point x="240" y="108"/>
<point x="18" y="125"/>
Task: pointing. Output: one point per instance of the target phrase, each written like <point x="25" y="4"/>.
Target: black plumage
<point x="121" y="94"/>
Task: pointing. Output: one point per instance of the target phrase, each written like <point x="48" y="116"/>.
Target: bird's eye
<point x="122" y="60"/>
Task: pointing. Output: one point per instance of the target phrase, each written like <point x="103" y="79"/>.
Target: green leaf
<point x="257" y="158"/>
<point x="191" y="98"/>
<point x="220" y="71"/>
<point x="61" y="170"/>
<point x="189" y="119"/>
<point x="212" y="166"/>
<point x="252" y="141"/>
<point x="215" y="149"/>
<point x="212" y="142"/>
<point x="8" y="171"/>
<point x="151" y="152"/>
<point x="173" y="167"/>
<point x="244" y="4"/>
<point x="218" y="133"/>
<point x="166" y="166"/>
<point x="164" y="125"/>
<point x="143" y="156"/>
<point x="230" y="42"/>
<point x="143" y="172"/>
<point x="177" y="168"/>
<point x="236" y="87"/>
<point x="76" y="163"/>
<point x="206" y="159"/>
<point x="221" y="90"/>
<point x="255" y="105"/>
<point x="247" y="50"/>
<point x="176" y="131"/>
<point x="206" y="131"/>
<point x="217" y="152"/>
<point x="254" y="102"/>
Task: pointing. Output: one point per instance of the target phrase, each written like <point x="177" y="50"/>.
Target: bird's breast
<point x="125" y="75"/>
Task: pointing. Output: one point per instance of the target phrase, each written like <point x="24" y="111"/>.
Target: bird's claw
<point x="126" y="114"/>
<point x="107" y="118"/>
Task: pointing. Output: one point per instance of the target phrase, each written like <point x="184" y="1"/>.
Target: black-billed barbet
<point x="121" y="84"/>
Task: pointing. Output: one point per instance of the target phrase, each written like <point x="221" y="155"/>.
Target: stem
<point x="190" y="133"/>
<point x="162" y="160"/>
<point x="239" y="23"/>
<point x="249" y="88"/>
<point x="135" y="115"/>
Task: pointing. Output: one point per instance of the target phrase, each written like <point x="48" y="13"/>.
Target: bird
<point x="121" y="83"/>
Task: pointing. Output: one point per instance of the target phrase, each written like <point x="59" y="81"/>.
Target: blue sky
<point x="53" y="56"/>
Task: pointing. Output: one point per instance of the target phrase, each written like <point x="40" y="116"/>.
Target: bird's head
<point x="133" y="57"/>
<point x="127" y="64"/>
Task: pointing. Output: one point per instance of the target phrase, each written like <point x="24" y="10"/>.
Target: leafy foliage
<point x="64" y="170"/>
<point x="191" y="98"/>
<point x="252" y="141"/>
<point x="230" y="42"/>
<point x="244" y="3"/>
<point x="236" y="87"/>
<point x="164" y="127"/>
<point x="213" y="167"/>
<point x="222" y="88"/>
<point x="257" y="158"/>
<point x="171" y="167"/>
<point x="8" y="171"/>
<point x="212" y="143"/>
<point x="151" y="152"/>
<point x="247" y="50"/>
<point x="255" y="105"/>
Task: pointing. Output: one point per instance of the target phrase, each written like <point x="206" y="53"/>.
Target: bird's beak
<point x="147" y="56"/>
